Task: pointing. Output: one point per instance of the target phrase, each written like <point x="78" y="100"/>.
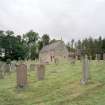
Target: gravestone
<point x="76" y="57"/>
<point x="1" y="75"/>
<point x="98" y="57"/>
<point x="28" y="65"/>
<point x="40" y="71"/>
<point x="13" y="65"/>
<point x="90" y="57"/>
<point x="32" y="67"/>
<point x="1" y="70"/>
<point x="4" y="69"/>
<point x="72" y="60"/>
<point x="7" y="68"/>
<point x="56" y="61"/>
<point x="85" y="75"/>
<point x="21" y="75"/>
<point x="104" y="56"/>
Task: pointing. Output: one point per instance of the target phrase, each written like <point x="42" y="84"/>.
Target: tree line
<point x="89" y="46"/>
<point x="28" y="45"/>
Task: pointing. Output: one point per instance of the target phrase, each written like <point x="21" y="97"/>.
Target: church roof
<point x="52" y="46"/>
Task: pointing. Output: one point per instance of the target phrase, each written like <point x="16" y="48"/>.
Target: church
<point x="52" y="51"/>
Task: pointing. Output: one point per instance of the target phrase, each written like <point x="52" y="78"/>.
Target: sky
<point x="69" y="19"/>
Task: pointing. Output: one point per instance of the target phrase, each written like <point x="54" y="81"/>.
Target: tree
<point x="12" y="47"/>
<point x="68" y="46"/>
<point x="1" y="37"/>
<point x="72" y="43"/>
<point x="103" y="45"/>
<point x="45" y="39"/>
<point x="31" y="38"/>
<point x="53" y="41"/>
<point x="40" y="45"/>
<point x="34" y="52"/>
<point x="7" y="46"/>
<point x="9" y="33"/>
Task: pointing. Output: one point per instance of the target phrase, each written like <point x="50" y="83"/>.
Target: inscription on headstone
<point x="40" y="71"/>
<point x="21" y="75"/>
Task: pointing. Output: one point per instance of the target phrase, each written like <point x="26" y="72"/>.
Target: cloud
<point x="67" y="18"/>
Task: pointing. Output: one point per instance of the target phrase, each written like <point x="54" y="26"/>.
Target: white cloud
<point x="66" y="18"/>
<point x="100" y="0"/>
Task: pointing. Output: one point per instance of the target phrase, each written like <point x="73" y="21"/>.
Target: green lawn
<point x="60" y="87"/>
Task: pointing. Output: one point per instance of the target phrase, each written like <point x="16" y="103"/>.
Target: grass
<point x="60" y="87"/>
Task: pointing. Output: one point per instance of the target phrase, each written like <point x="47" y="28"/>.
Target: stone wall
<point x="49" y="53"/>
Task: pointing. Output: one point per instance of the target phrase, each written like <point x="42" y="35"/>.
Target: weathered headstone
<point x="72" y="60"/>
<point x="90" y="57"/>
<point x="21" y="75"/>
<point x="56" y="61"/>
<point x="7" y="68"/>
<point x="13" y="65"/>
<point x="32" y="67"/>
<point x="85" y="75"/>
<point x="76" y="57"/>
<point x="1" y="71"/>
<point x="4" y="68"/>
<point x="40" y="71"/>
<point x="104" y="56"/>
<point x="98" y="57"/>
<point x="1" y="75"/>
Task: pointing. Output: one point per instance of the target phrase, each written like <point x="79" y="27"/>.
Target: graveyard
<point x="52" y="52"/>
<point x="60" y="86"/>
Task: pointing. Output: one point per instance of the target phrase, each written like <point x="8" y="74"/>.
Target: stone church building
<point x="56" y="50"/>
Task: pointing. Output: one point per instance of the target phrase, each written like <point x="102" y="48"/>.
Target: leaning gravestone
<point x="32" y="67"/>
<point x="40" y="71"/>
<point x="21" y="75"/>
<point x="85" y="70"/>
